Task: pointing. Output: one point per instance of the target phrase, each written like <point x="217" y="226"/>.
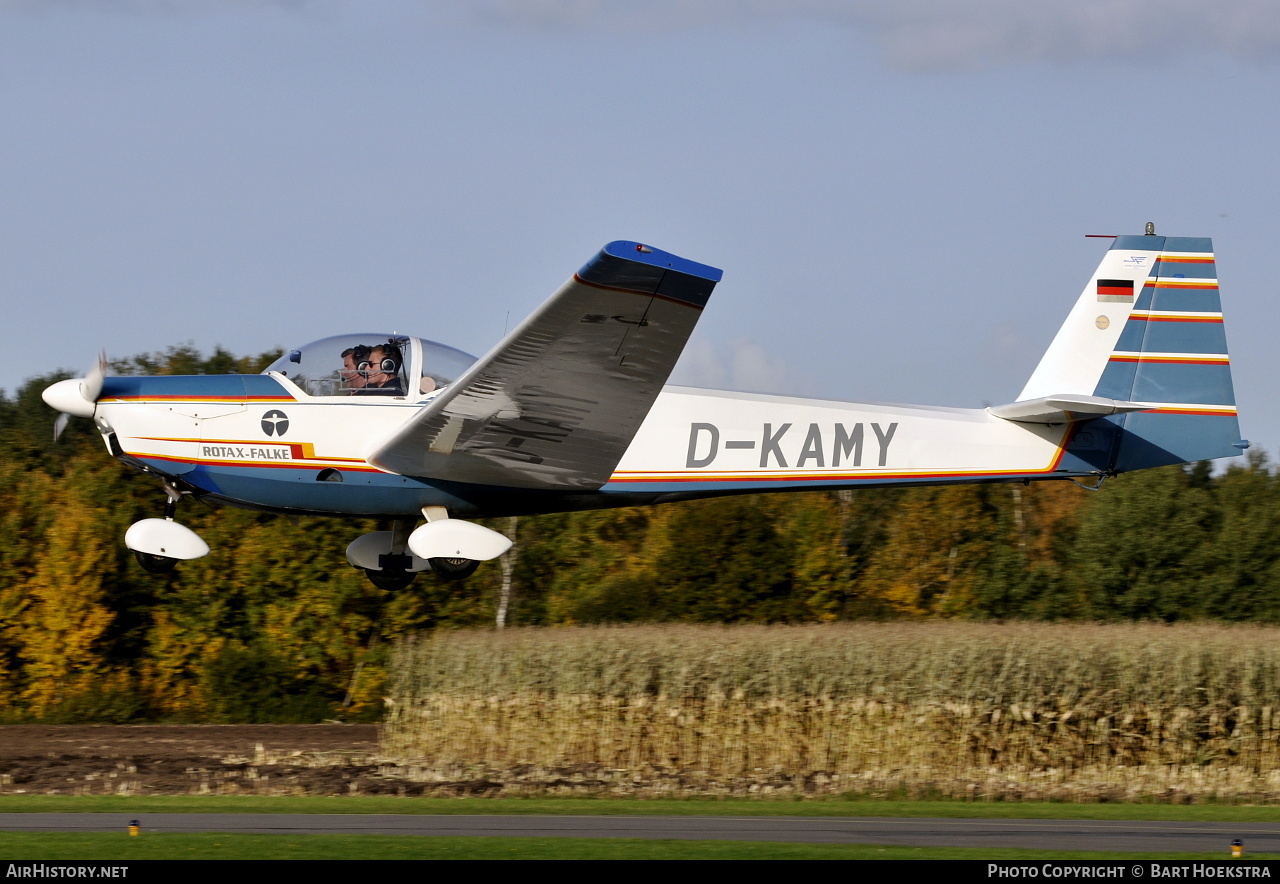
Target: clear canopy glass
<point x="372" y="365"/>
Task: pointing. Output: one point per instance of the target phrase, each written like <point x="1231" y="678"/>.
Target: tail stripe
<point x="1181" y="358"/>
<point x="1215" y="410"/>
<point x="1173" y="316"/>
<point x="1186" y="257"/>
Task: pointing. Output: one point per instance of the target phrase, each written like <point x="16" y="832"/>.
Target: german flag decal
<point x="1115" y="290"/>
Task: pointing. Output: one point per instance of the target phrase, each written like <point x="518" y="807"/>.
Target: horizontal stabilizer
<point x="1064" y="408"/>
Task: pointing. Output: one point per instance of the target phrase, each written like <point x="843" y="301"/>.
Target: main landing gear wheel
<point x="154" y="564"/>
<point x="159" y="544"/>
<point x="454" y="569"/>
<point x="390" y="580"/>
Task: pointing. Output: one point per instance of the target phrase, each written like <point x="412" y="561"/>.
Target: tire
<point x="394" y="581"/>
<point x="154" y="564"/>
<point x="454" y="569"/>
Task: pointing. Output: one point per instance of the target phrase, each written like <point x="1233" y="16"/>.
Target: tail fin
<point x="1148" y="329"/>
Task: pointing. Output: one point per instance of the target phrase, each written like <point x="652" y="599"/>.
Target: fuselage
<point x="260" y="441"/>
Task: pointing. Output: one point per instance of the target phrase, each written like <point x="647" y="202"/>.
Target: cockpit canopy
<point x="372" y="365"/>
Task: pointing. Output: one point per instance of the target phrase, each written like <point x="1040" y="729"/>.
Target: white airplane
<point x="569" y="412"/>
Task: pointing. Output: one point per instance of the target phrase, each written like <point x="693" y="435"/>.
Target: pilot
<point x="382" y="371"/>
<point x="353" y="379"/>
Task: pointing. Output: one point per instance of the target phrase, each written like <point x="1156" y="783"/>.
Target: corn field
<point x="983" y="711"/>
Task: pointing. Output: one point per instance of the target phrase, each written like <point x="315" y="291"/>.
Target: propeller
<point x="76" y="396"/>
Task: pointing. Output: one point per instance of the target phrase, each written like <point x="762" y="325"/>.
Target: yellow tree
<point x="21" y="523"/>
<point x="166" y="672"/>
<point x="813" y="526"/>
<point x="1049" y="517"/>
<point x="933" y="547"/>
<point x="65" y="617"/>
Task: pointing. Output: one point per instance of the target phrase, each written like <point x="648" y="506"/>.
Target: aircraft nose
<point x="69" y="397"/>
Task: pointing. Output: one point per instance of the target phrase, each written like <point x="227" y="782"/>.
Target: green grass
<point x="110" y="848"/>
<point x="635" y="807"/>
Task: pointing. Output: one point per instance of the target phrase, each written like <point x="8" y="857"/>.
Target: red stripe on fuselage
<point x="170" y="399"/>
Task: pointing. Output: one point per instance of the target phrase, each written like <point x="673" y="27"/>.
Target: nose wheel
<point x="159" y="544"/>
<point x="154" y="564"/>
<point x="151" y="562"/>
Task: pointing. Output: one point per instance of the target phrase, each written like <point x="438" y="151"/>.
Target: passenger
<point x="382" y="371"/>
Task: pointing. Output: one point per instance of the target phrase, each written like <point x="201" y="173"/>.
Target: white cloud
<point x="913" y="34"/>
<point x="742" y="365"/>
<point x="944" y="34"/>
<point x="933" y="34"/>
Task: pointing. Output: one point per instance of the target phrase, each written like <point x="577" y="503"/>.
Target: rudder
<point x="1172" y="353"/>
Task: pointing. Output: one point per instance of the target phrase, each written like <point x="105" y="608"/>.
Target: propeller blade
<point x="91" y="385"/>
<point x="59" y="425"/>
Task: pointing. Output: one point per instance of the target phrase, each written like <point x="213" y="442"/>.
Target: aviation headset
<point x="390" y="363"/>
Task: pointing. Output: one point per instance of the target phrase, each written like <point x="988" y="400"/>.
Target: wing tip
<point x="636" y="267"/>
<point x="640" y="253"/>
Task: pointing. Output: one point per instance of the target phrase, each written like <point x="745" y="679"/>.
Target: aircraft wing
<point x="557" y="402"/>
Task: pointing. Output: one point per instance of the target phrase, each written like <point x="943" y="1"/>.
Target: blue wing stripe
<point x="634" y="267"/>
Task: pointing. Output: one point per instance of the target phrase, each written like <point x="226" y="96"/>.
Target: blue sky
<point x="898" y="193"/>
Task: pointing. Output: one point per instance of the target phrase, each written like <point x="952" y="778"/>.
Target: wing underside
<point x="556" y="403"/>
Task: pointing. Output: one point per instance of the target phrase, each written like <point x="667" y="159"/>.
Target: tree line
<point x="275" y="625"/>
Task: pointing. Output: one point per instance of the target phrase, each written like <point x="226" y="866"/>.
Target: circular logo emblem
<point x="1102" y="322"/>
<point x="275" y="423"/>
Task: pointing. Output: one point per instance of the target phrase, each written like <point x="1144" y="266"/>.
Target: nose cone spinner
<point x="72" y="396"/>
<point x="78" y="396"/>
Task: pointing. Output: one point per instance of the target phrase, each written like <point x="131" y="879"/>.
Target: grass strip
<point x="136" y="805"/>
<point x="106" y="847"/>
